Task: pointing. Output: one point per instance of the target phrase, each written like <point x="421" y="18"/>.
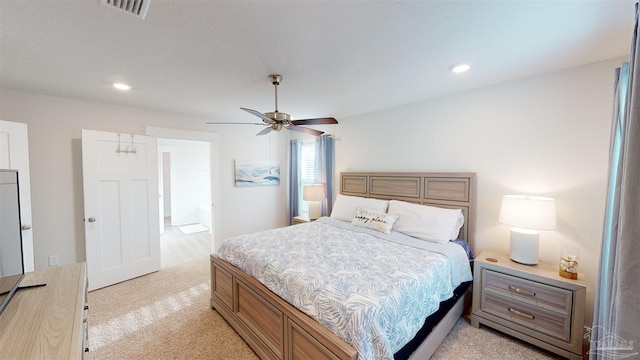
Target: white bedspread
<point x="372" y="290"/>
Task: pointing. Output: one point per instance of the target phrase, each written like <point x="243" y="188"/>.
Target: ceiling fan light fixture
<point x="279" y="116"/>
<point x="459" y="68"/>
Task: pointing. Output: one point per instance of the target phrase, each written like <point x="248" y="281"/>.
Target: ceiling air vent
<point x="134" y="7"/>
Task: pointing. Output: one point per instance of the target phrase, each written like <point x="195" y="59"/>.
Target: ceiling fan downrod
<point x="275" y="80"/>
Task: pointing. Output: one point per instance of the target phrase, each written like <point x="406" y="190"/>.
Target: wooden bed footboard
<point x="272" y="327"/>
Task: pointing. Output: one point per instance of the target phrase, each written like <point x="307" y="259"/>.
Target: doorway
<point x="213" y="139"/>
<point x="185" y="199"/>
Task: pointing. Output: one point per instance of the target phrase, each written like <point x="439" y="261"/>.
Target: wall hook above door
<point x="128" y="149"/>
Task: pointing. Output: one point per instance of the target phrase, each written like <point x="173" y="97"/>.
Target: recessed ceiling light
<point x="459" y="68"/>
<point x="121" y="86"/>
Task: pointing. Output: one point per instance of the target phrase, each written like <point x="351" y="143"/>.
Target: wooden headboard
<point x="448" y="190"/>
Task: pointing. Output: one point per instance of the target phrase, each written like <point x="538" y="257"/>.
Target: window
<point x="307" y="171"/>
<point x="311" y="163"/>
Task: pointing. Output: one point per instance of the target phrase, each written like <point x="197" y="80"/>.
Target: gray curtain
<point x="325" y="170"/>
<point x="295" y="185"/>
<point x="616" y="322"/>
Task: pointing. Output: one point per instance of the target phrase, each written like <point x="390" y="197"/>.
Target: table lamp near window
<point x="314" y="194"/>
<point x="528" y="215"/>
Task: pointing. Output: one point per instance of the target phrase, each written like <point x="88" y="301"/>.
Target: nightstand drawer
<point x="526" y="315"/>
<point x="534" y="293"/>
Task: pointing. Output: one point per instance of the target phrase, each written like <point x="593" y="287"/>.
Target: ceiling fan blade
<point x="264" y="131"/>
<point x="306" y="130"/>
<point x="262" y="116"/>
<point x="318" y="121"/>
<point x="233" y="123"/>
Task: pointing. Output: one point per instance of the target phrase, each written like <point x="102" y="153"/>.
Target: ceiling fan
<point x="278" y="120"/>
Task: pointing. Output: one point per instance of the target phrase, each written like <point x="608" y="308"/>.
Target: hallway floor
<point x="178" y="248"/>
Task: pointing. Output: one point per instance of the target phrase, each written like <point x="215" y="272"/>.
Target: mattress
<point x="373" y="290"/>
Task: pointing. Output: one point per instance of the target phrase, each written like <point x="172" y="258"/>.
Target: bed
<point x="275" y="329"/>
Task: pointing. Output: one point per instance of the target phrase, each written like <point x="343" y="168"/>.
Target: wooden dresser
<point x="530" y="302"/>
<point x="48" y="322"/>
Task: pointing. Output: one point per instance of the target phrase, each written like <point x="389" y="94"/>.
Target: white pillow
<point x="378" y="221"/>
<point x="426" y="222"/>
<point x="345" y="206"/>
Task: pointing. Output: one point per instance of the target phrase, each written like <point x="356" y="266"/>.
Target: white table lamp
<point x="313" y="194"/>
<point x="527" y="215"/>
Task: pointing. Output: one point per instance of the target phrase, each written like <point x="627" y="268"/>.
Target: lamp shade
<point x="527" y="215"/>
<point x="528" y="212"/>
<point x="313" y="192"/>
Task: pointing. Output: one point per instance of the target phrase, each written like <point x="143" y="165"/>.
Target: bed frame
<point x="274" y="329"/>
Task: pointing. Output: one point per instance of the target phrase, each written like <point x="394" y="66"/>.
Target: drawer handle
<point x="520" y="291"/>
<point x="520" y="313"/>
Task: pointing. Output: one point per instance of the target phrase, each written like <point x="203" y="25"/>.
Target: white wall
<point x="547" y="135"/>
<point x="166" y="182"/>
<point x="54" y="125"/>
<point x="190" y="179"/>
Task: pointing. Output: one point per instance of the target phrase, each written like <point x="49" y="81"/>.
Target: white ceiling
<point x="338" y="58"/>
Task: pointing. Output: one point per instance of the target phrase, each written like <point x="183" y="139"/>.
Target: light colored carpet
<point x="166" y="315"/>
<point x="466" y="342"/>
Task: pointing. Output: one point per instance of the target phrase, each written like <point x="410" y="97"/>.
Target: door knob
<point x="92" y="219"/>
<point x="25" y="227"/>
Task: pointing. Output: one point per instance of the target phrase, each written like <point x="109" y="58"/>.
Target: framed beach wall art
<point x="257" y="173"/>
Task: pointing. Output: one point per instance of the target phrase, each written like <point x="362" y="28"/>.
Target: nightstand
<point x="530" y="302"/>
<point x="301" y="219"/>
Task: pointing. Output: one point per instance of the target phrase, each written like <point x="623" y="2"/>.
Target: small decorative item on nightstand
<point x="569" y="262"/>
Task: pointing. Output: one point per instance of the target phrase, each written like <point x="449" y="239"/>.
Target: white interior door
<point x="120" y="206"/>
<point x="14" y="154"/>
